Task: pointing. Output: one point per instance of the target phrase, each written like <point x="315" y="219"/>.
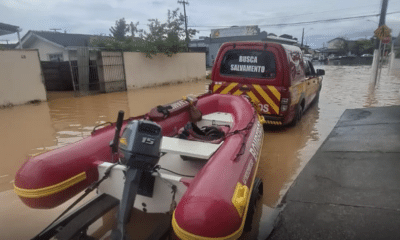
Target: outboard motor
<point x="140" y="144"/>
<point x="139" y="149"/>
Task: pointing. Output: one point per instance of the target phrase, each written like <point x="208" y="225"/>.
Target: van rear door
<point x="253" y="71"/>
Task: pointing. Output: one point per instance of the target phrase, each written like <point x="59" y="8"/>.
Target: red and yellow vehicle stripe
<point x="265" y="95"/>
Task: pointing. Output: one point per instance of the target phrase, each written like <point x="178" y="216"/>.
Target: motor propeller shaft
<point x="131" y="186"/>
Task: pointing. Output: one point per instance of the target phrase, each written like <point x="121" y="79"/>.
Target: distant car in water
<point x="367" y="55"/>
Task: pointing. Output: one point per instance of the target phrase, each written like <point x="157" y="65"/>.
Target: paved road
<point x="350" y="189"/>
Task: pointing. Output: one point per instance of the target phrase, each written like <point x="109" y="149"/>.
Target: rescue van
<point x="277" y="79"/>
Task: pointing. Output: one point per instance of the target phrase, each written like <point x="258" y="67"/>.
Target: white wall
<point x="395" y="65"/>
<point x="142" y="71"/>
<point x="21" y="78"/>
<point x="46" y="48"/>
<point x="334" y="44"/>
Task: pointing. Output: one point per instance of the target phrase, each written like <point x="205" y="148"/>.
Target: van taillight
<point x="285" y="101"/>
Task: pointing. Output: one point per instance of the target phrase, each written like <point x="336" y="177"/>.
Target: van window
<point x="309" y="69"/>
<point x="248" y="63"/>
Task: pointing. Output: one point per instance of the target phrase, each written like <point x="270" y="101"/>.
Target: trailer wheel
<point x="256" y="194"/>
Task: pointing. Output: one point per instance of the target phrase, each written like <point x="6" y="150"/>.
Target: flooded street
<point x="30" y="129"/>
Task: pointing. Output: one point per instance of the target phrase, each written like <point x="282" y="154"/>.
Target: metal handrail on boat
<point x="102" y="124"/>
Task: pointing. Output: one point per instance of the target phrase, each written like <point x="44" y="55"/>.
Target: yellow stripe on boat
<point x="50" y="190"/>
<point x="39" y="153"/>
<point x="185" y="235"/>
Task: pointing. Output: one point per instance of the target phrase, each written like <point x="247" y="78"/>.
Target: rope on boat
<point x="173" y="187"/>
<point x="158" y="167"/>
<point x="244" y="134"/>
<point x="87" y="191"/>
<point x="173" y="202"/>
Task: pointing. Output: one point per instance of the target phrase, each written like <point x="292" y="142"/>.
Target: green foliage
<point x="167" y="38"/>
<point x="133" y="28"/>
<point x="397" y="53"/>
<point x="112" y="44"/>
<point x="363" y="46"/>
<point x="120" y="29"/>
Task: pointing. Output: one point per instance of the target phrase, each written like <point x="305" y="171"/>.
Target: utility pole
<point x="184" y="12"/>
<point x="302" y="37"/>
<point x="377" y="51"/>
<point x="19" y="38"/>
<point x="382" y="18"/>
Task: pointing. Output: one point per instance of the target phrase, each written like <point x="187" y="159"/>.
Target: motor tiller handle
<point x="118" y="127"/>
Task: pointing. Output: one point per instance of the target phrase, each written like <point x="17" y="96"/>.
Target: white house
<point x="56" y="46"/>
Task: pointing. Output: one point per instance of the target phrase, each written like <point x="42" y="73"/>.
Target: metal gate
<point x="57" y="76"/>
<point x="84" y="71"/>
<point x="111" y="71"/>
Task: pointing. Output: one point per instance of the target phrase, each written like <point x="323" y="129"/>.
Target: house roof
<point x="63" y="39"/>
<point x="7" y="29"/>
<point x="286" y="36"/>
<point x="8" y="46"/>
<point x="337" y="38"/>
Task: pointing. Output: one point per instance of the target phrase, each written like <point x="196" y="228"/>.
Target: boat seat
<point x="192" y="149"/>
<point x="217" y="118"/>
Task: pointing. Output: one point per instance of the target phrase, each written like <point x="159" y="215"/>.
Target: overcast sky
<point x="97" y="16"/>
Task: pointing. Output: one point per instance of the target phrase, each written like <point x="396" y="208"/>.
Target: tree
<point x="133" y="27"/>
<point x="120" y="29"/>
<point x="363" y="46"/>
<point x="167" y="38"/>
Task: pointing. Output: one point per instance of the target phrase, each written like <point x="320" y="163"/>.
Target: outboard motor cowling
<point x="140" y="144"/>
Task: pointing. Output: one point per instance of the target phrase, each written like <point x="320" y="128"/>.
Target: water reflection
<point x="29" y="129"/>
<point x="280" y="154"/>
<point x="24" y="128"/>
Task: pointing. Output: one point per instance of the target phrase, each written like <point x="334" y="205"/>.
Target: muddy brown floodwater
<point x="30" y="129"/>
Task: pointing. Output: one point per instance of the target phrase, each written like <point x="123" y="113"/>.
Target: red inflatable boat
<point x="212" y="202"/>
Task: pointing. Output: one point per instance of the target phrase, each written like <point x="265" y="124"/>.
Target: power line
<point x="310" y="22"/>
<point x="326" y="20"/>
<point x="314" y="13"/>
